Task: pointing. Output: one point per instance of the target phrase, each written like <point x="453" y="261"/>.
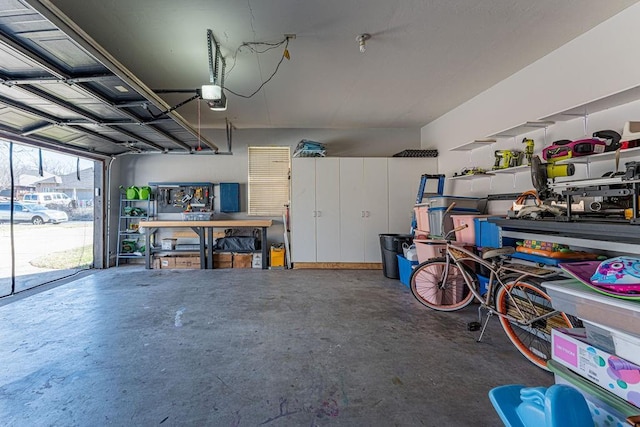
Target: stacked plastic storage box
<point x="437" y="212"/>
<point x="602" y="360"/>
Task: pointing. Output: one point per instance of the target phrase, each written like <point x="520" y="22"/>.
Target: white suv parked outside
<point x="49" y="199"/>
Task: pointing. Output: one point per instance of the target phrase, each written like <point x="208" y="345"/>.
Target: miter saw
<point x="611" y="198"/>
<point x="546" y="199"/>
<point x="541" y="173"/>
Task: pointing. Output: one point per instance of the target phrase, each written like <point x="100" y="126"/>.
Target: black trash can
<point x="390" y="246"/>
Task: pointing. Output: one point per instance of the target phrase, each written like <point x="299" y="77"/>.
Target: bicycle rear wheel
<point x="429" y="287"/>
<point x="524" y="302"/>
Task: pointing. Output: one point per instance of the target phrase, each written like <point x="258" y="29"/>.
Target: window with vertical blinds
<point x="268" y="180"/>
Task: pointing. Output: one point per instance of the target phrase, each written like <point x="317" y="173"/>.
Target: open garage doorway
<point x="52" y="196"/>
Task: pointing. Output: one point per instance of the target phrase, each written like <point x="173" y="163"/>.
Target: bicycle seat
<point x="496" y="252"/>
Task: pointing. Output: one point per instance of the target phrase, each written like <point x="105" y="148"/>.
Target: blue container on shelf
<point x="487" y="233"/>
<point x="405" y="268"/>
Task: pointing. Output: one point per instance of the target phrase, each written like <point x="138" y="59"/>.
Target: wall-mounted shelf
<point x="511" y="171"/>
<point x="615" y="100"/>
<point x="610" y="155"/>
<point x="478" y="143"/>
<point x="471" y="177"/>
<point x="489" y="174"/>
<point x="522" y="128"/>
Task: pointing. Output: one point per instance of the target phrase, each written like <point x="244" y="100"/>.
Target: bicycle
<point x="513" y="293"/>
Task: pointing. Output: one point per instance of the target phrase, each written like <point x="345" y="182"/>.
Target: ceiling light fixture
<point x="362" y="39"/>
<point x="211" y="92"/>
<point x="219" y="104"/>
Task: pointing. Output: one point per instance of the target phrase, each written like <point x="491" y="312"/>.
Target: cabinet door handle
<point x="367" y="214"/>
<point x="315" y="214"/>
<point x="319" y="213"/>
<point x="362" y="214"/>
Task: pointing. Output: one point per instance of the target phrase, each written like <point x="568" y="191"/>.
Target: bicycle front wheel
<point x="530" y="332"/>
<point x="440" y="289"/>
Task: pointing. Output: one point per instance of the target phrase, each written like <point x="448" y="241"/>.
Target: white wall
<point x="141" y="169"/>
<point x="599" y="63"/>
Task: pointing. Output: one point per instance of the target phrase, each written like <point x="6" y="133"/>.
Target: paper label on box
<point x="565" y="350"/>
<point x="617" y="375"/>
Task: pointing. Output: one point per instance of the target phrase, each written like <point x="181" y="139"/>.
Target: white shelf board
<point x="471" y="177"/>
<point x="631" y="152"/>
<point x="511" y="171"/>
<point x="630" y="248"/>
<point x="478" y="143"/>
<point x="617" y="99"/>
<point x="601" y="104"/>
<point x="522" y="128"/>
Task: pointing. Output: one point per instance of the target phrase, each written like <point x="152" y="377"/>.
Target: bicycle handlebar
<point x="458" y="228"/>
<point x="451" y="206"/>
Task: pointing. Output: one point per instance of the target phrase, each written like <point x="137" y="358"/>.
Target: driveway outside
<point x="33" y="241"/>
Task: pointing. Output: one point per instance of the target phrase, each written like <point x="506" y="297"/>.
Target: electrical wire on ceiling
<point x="217" y="70"/>
<point x="285" y="55"/>
<point x="250" y="46"/>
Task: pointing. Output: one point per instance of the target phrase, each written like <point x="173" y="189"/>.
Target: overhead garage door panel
<point x="14" y="64"/>
<point x="60" y="92"/>
<point x="17" y="120"/>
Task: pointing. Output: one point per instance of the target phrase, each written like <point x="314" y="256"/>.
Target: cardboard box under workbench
<point x="184" y="262"/>
<point x="223" y="260"/>
<point x="241" y="260"/>
<point x="187" y="262"/>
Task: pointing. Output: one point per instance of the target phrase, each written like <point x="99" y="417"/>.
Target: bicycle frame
<point x="459" y="255"/>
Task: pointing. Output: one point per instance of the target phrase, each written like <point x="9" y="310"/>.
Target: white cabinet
<point x="364" y="208"/>
<point x="404" y="179"/>
<point x="340" y="206"/>
<point x="315" y="209"/>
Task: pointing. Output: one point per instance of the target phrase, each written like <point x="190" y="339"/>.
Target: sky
<point x="68" y="161"/>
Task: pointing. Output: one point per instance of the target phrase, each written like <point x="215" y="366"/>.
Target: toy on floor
<point x="557" y="406"/>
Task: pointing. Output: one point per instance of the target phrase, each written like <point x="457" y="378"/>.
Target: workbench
<point x="204" y="230"/>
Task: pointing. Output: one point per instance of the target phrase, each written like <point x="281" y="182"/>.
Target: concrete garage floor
<point x="128" y="346"/>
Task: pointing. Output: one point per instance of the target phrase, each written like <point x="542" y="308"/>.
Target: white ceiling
<point x="425" y="57"/>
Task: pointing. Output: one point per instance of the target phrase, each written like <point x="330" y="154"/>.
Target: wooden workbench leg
<point x="265" y="263"/>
